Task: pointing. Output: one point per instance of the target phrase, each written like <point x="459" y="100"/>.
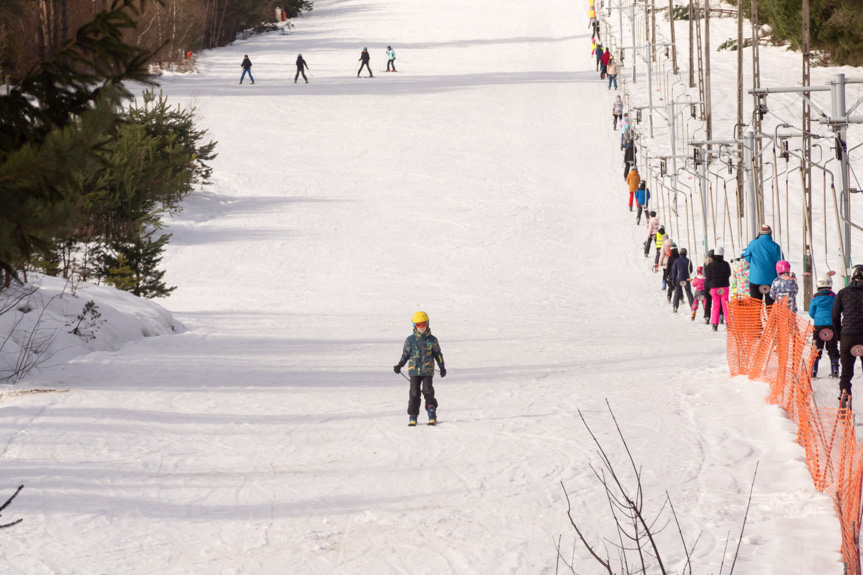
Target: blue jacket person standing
<point x="422" y="350"/>
<point x="763" y="254"/>
<point x="821" y="311"/>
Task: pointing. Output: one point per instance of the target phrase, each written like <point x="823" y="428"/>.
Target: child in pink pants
<point x="700" y="296"/>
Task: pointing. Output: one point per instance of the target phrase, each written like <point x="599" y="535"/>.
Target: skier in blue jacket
<point x="642" y="197"/>
<point x="763" y="254"/>
<point x="820" y="310"/>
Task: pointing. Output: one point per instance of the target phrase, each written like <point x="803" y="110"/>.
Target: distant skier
<point x="423" y="350"/>
<point x="391" y="59"/>
<point x="820" y="310"/>
<point x="652" y="228"/>
<point x="700" y="296"/>
<point x="598" y="53"/>
<point x="247" y="69"/>
<point x="763" y="254"/>
<point x="603" y="64"/>
<point x="365" y="58"/>
<point x="301" y="69"/>
<point x="612" y="71"/>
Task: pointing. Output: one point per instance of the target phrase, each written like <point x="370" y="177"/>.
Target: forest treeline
<point x="835" y="27"/>
<point x="32" y="30"/>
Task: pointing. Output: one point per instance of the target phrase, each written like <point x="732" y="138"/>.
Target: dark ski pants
<point x="638" y="216"/>
<point x="846" y="342"/>
<point x="831" y="344"/>
<point x="425" y="383"/>
<point x="391" y="63"/>
<point x="753" y="292"/>
<point x="647" y="244"/>
<point x="678" y="294"/>
<point x="297" y="75"/>
<point x="617" y="117"/>
<point x="366" y="66"/>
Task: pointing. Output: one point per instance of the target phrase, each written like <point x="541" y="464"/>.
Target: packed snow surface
<point x="481" y="184"/>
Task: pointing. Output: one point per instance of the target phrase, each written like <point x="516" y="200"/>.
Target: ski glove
<point x="443" y="372"/>
<point x="397" y="369"/>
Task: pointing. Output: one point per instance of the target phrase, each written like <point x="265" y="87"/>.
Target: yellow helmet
<point x="420" y="317"/>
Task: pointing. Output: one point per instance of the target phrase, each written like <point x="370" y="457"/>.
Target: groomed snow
<point x="481" y="184"/>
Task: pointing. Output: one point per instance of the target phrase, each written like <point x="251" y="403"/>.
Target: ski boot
<point x="413" y="421"/>
<point x="707" y="321"/>
<point x="432" y="416"/>
<point x="715" y="327"/>
<point x="663" y="285"/>
<point x="674" y="309"/>
<point x="693" y="315"/>
<point x="834" y="368"/>
<point x="815" y="370"/>
<point x="845" y="399"/>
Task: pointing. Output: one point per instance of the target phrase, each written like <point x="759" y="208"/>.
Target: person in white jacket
<point x="617" y="110"/>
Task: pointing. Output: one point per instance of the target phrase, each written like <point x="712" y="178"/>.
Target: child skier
<point x="423" y="350"/>
<point x="700" y="296"/>
<point x="785" y="286"/>
<point x="617" y="111"/>
<point x="652" y="228"/>
<point x="820" y="310"/>
<point x="391" y="59"/>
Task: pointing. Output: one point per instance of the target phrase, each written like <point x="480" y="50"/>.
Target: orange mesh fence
<point x="776" y="347"/>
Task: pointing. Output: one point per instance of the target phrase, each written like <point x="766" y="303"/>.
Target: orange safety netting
<point x="774" y="345"/>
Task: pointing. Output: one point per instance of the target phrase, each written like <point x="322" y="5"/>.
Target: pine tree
<point x="52" y="125"/>
<point x="131" y="265"/>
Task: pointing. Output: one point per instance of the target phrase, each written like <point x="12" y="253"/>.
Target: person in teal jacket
<point x="422" y="350"/>
<point x="763" y="254"/>
<point x="820" y="310"/>
<point x="391" y="59"/>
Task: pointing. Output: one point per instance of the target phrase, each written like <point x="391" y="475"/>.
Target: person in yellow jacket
<point x="633" y="178"/>
<point x="594" y="23"/>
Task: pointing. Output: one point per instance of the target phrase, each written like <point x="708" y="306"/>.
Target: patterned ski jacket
<point x="763" y="254"/>
<point x="423" y="350"/>
<point x="785" y="287"/>
<point x="740" y="278"/>
<point x="821" y="307"/>
<point x="617" y="108"/>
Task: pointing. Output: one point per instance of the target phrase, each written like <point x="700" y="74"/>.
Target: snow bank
<point x="50" y="321"/>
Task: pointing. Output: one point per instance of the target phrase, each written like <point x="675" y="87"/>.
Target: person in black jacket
<point x="718" y="273"/>
<point x="629" y="152"/>
<point x="364" y="58"/>
<point x="708" y="301"/>
<point x="301" y="69"/>
<point x="847" y="319"/>
<point x="247" y="69"/>
<point x="673" y="254"/>
<point x="680" y="275"/>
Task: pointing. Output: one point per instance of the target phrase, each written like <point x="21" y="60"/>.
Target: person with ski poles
<point x="820" y="310"/>
<point x="365" y="58"/>
<point x="247" y="69"/>
<point x="391" y="59"/>
<point x="301" y="69"/>
<point x="847" y="318"/>
<point x="422" y="350"/>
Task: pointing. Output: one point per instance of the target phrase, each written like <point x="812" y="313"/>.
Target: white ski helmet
<point x="824" y="281"/>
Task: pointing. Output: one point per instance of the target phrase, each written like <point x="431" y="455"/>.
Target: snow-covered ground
<point x="480" y="184"/>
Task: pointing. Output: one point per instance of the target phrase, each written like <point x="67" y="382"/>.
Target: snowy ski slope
<point x="481" y="184"/>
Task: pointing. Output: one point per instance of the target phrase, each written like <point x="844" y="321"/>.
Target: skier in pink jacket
<point x="700" y="296"/>
<point x="652" y="227"/>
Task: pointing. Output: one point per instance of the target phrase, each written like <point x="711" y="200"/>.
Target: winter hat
<point x="765" y="229"/>
<point x="720" y="251"/>
<point x="641" y="185"/>
<point x="364" y="48"/>
<point x="700" y="269"/>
